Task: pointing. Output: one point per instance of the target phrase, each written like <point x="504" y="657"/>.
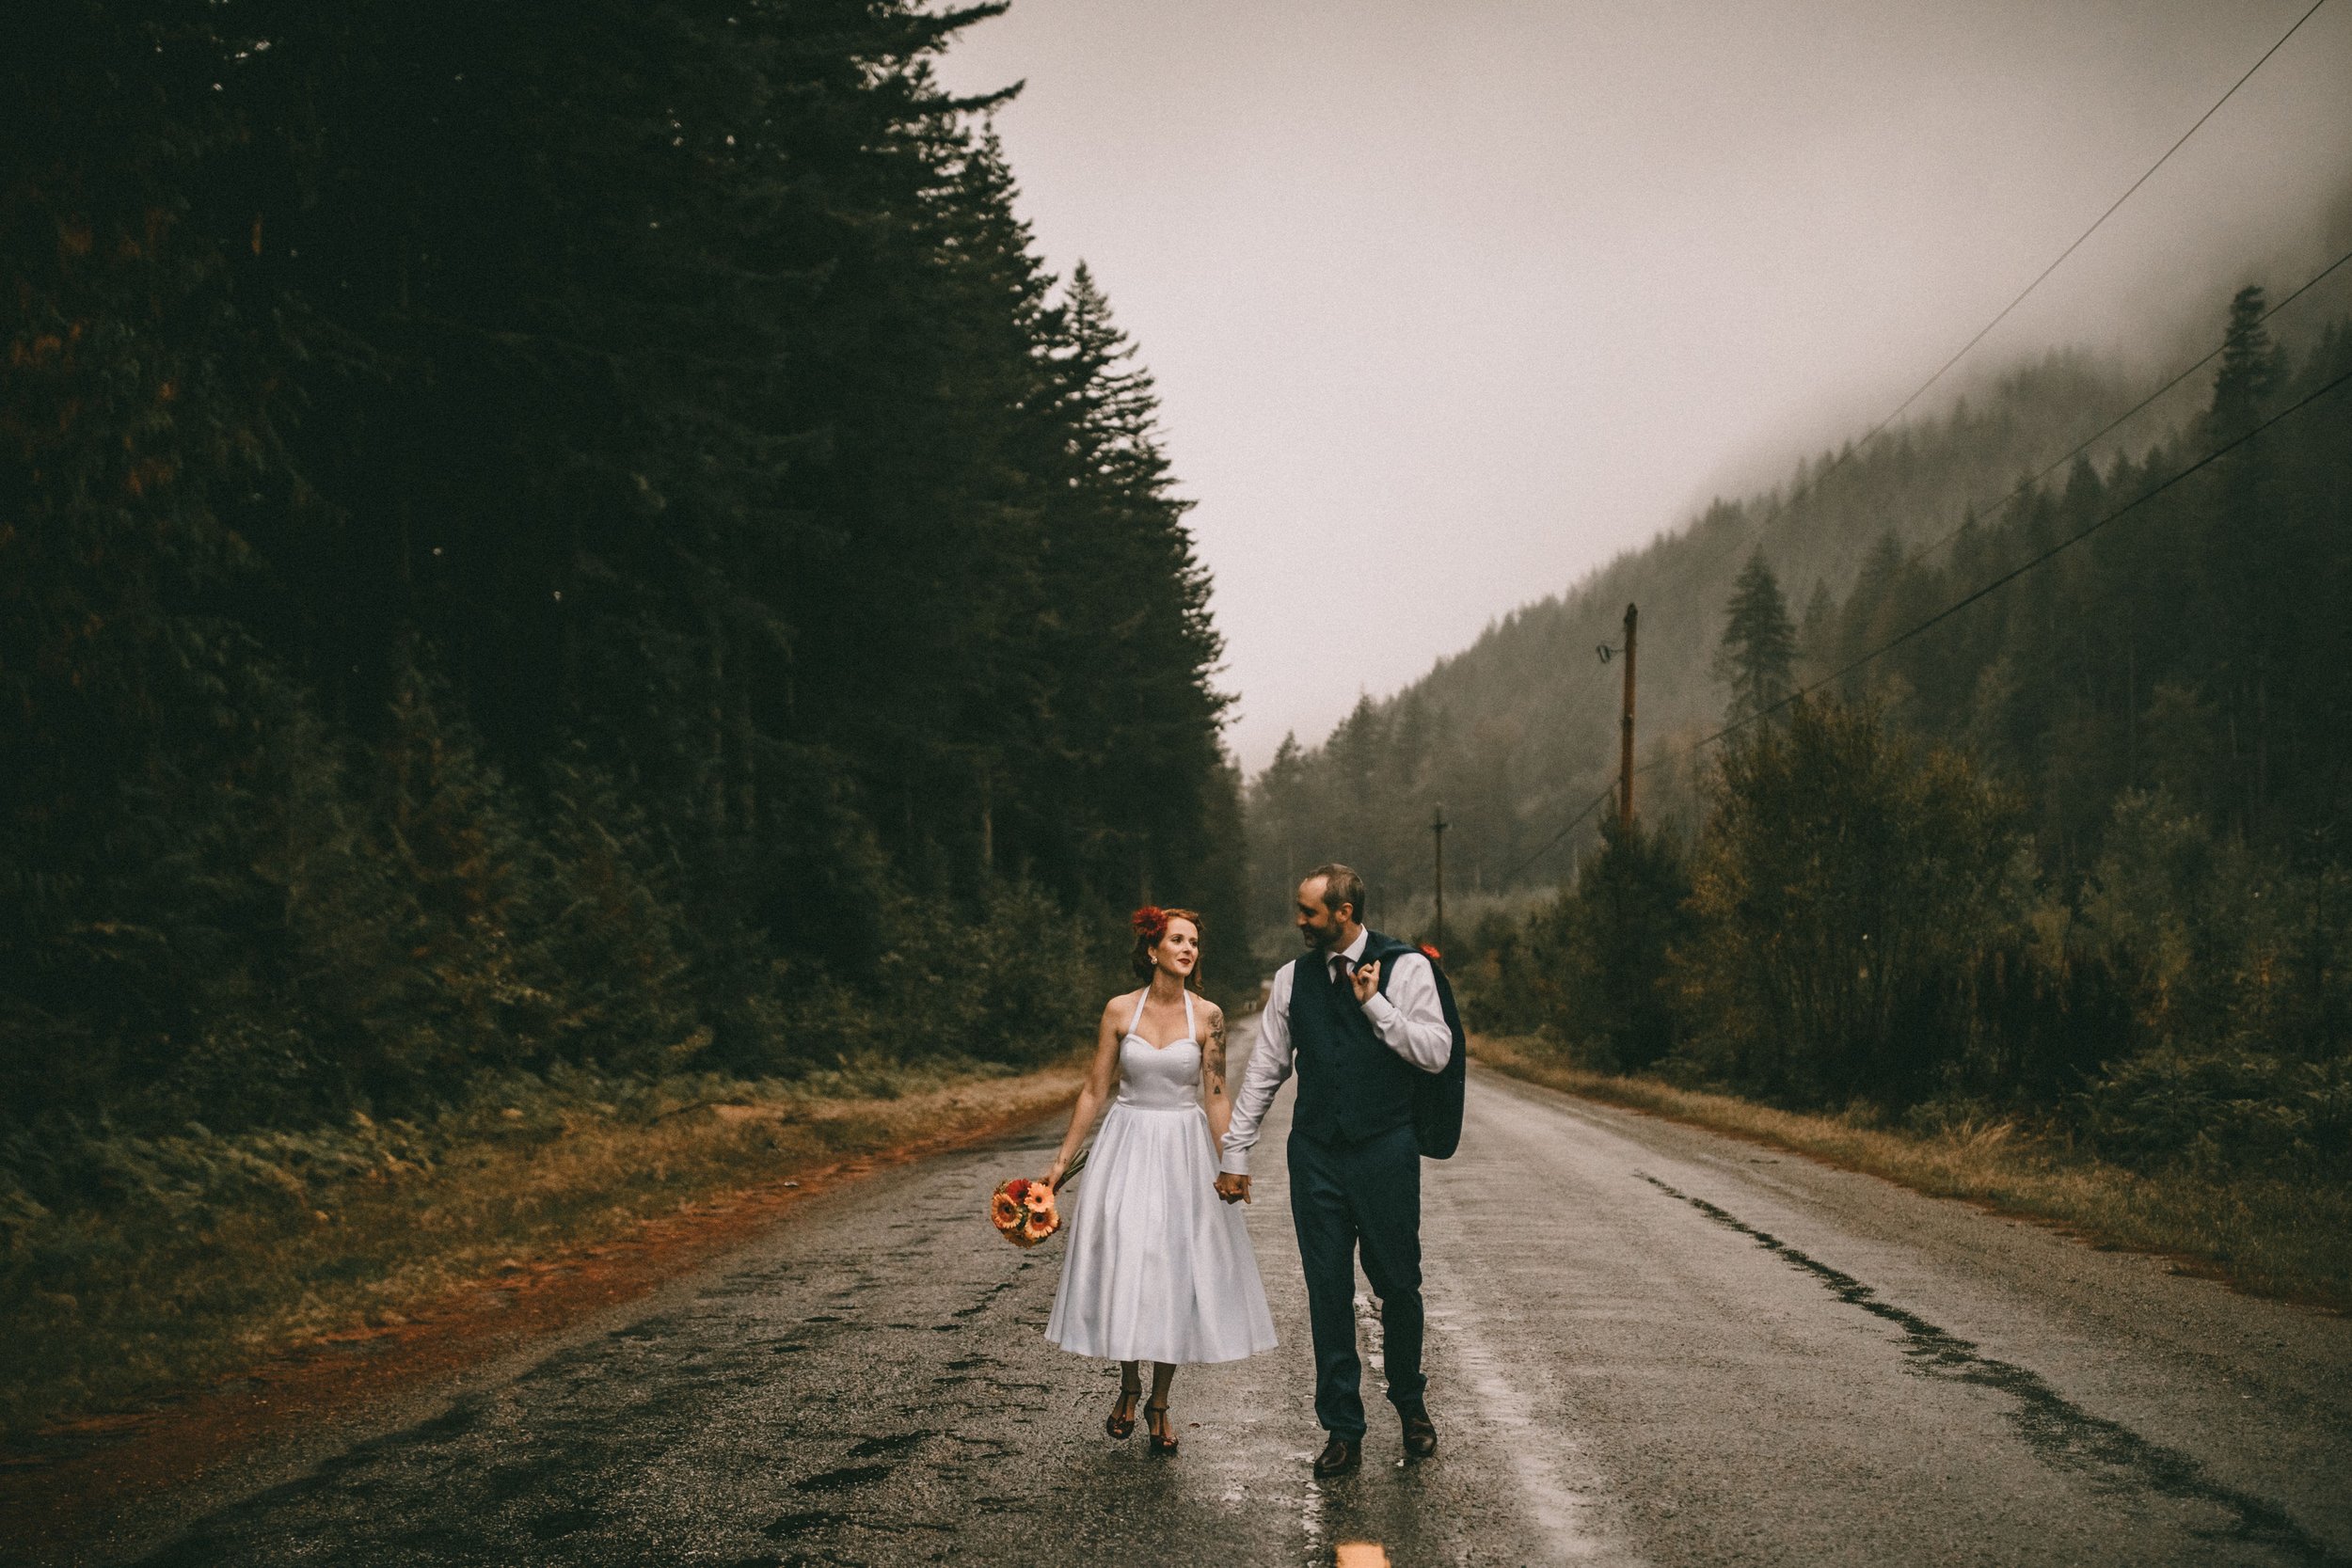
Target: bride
<point x="1158" y="1269"/>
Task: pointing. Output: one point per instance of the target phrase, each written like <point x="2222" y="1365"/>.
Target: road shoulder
<point x="94" y="1486"/>
<point x="2285" y="1240"/>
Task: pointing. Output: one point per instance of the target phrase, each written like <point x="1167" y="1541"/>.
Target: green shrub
<point x="2223" y="1114"/>
<point x="1845" y="889"/>
<point x="1015" y="981"/>
<point x="2234" y="968"/>
<point x="1596" y="958"/>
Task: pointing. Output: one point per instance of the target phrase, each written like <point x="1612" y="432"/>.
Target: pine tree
<point x="680" y="389"/>
<point x="2249" y="368"/>
<point x="1818" y="632"/>
<point x="1604" y="950"/>
<point x="1756" y="656"/>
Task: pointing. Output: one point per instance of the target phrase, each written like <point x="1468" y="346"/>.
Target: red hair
<point x="1150" y="926"/>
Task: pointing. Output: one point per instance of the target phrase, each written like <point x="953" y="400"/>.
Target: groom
<point x="1360" y="1045"/>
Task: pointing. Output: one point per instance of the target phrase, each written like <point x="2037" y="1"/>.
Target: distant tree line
<point x="2076" y="852"/>
<point x="540" y="534"/>
<point x="1515" y="734"/>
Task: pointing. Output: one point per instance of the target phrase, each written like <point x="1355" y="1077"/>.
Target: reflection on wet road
<point x="1647" y="1345"/>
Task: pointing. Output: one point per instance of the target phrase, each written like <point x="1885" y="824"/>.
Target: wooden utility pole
<point x="1625" y="751"/>
<point x="1437" y="826"/>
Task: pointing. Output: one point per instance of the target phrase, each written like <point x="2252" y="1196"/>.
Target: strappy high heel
<point x="1122" y="1426"/>
<point x="1159" y="1443"/>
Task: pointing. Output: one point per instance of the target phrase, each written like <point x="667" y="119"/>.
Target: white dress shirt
<point x="1408" y="1019"/>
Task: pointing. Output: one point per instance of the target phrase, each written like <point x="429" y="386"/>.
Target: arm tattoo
<point x="1213" y="1060"/>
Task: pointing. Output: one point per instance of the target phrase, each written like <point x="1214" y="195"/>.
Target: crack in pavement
<point x="2054" y="1429"/>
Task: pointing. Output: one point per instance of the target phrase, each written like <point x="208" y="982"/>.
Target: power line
<point x="2101" y="220"/>
<point x="2088" y="442"/>
<point x="2009" y="577"/>
<point x="1846" y="456"/>
<point x="1931" y="548"/>
<point x="1852" y="449"/>
<point x="1553" y="842"/>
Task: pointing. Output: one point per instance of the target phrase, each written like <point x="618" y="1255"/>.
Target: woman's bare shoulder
<point x="1117" y="1007"/>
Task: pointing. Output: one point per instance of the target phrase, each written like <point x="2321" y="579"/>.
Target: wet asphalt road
<point x="1648" y="1344"/>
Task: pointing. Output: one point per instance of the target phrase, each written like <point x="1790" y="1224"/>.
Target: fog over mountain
<point x="1449" y="306"/>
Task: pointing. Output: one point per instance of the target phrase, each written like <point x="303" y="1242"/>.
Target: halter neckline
<point x="1134" y="1022"/>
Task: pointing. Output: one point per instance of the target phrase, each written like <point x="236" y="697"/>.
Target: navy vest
<point x="1350" y="1087"/>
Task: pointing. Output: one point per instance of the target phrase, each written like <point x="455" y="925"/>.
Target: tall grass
<point x="213" y="1252"/>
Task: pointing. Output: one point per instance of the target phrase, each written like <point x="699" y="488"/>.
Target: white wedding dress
<point x="1158" y="1267"/>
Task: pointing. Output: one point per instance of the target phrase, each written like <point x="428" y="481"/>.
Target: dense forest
<point x="2037" y="810"/>
<point x="1518" y="733"/>
<point x="547" y="536"/>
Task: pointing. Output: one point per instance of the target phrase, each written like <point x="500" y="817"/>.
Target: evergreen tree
<point x="1817" y="632"/>
<point x="1845" y="889"/>
<point x="1757" y="657"/>
<point x="471" y="477"/>
<point x="2159" y="963"/>
<point x="2249" y="368"/>
<point x="1600" y="956"/>
<point x="2250" y="557"/>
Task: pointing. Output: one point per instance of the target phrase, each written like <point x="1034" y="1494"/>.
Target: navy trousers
<point x="1344" y="1196"/>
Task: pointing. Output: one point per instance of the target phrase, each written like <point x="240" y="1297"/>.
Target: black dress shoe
<point x="1421" y="1434"/>
<point x="1338" y="1457"/>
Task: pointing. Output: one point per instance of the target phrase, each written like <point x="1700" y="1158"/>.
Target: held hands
<point x="1233" y="1189"/>
<point x="1366" y="979"/>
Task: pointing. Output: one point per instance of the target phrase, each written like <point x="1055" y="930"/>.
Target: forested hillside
<point x="541" y="535"/>
<point x="1518" y="733"/>
<point x="2036" y="815"/>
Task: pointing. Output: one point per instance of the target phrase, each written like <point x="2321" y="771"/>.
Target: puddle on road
<point x="1559" y="1490"/>
<point x="509" y="1481"/>
<point x="2054" y="1428"/>
<point x="843" y="1479"/>
<point x="735" y="1290"/>
<point x="646" y="1329"/>
<point x="1560" y="1510"/>
<point x="457" y="1420"/>
<point x="792" y="1525"/>
<point x="562" y="1522"/>
<point x="986" y="1298"/>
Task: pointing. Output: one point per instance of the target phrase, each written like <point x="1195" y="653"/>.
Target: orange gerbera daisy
<point x="1004" y="1207"/>
<point x="1042" y="1219"/>
<point x="1024" y="1212"/>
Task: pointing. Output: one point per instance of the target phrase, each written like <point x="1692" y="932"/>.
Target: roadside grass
<point x="2266" y="1235"/>
<point x="211" y="1254"/>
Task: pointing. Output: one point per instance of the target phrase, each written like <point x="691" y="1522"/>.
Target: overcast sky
<point x="1449" y="301"/>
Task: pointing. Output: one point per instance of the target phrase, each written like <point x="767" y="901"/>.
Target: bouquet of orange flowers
<point x="1022" y="1211"/>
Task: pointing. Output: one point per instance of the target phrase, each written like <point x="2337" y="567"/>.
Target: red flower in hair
<point x="1151" y="922"/>
<point x="1431" y="950"/>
